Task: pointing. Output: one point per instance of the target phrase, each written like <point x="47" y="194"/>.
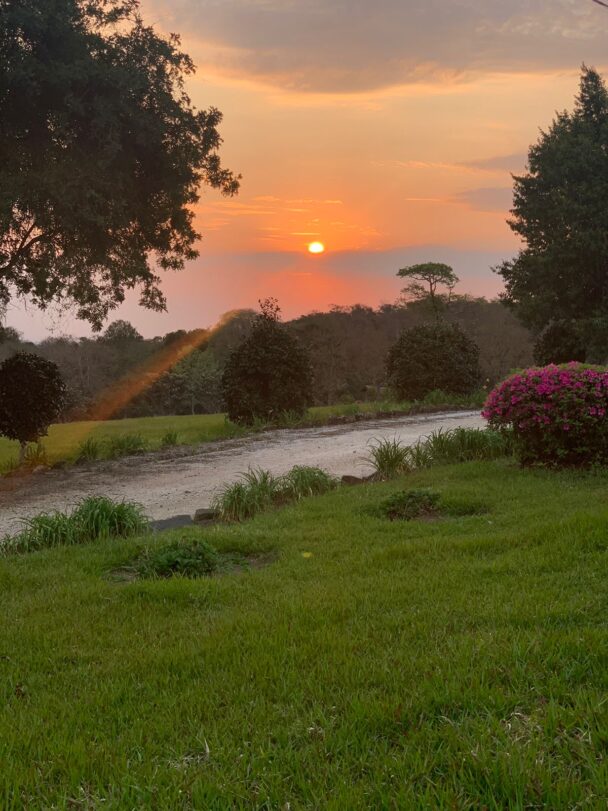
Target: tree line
<point x="347" y="348"/>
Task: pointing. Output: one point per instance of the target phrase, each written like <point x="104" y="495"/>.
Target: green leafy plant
<point x="182" y="558"/>
<point x="425" y="503"/>
<point x="93" y="519"/>
<point x="410" y="504"/>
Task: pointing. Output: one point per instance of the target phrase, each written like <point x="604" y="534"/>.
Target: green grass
<point x="91" y="440"/>
<point x="458" y="664"/>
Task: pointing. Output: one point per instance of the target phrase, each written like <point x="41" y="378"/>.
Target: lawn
<point x="454" y="664"/>
<point x="63" y="440"/>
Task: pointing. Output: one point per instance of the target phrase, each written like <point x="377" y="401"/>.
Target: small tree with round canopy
<point x="32" y="395"/>
<point x="438" y="356"/>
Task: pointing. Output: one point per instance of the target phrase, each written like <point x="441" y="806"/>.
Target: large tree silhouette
<point x="560" y="212"/>
<point x="101" y="154"/>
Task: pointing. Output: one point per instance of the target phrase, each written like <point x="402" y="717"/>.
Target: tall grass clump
<point x="93" y="519"/>
<point x="258" y="490"/>
<point x="169" y="439"/>
<point x="126" y="445"/>
<point x="466" y="445"/>
<point x="303" y="481"/>
<point x="89" y="450"/>
<point x="99" y="518"/>
<point x="35" y="456"/>
<point x="389" y="458"/>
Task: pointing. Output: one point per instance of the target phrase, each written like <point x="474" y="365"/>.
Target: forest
<point x="347" y="346"/>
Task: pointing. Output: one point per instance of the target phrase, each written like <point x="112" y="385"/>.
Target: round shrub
<point x="557" y="413"/>
<point x="32" y="395"/>
<point x="431" y="357"/>
<point x="184" y="558"/>
<point x="268" y="374"/>
<point x="411" y="504"/>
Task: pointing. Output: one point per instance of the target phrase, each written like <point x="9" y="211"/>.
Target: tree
<point x="268" y="374"/>
<point x="560" y="212"/>
<point x="432" y="357"/>
<point x="426" y="282"/>
<point x="32" y="395"/>
<point x="101" y="155"/>
<point x="121" y="332"/>
<point x="561" y="341"/>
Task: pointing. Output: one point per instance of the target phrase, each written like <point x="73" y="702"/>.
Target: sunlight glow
<point x="316" y="247"/>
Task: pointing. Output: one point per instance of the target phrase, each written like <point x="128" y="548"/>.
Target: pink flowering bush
<point x="557" y="414"/>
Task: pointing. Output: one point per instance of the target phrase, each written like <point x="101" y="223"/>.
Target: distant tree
<point x="560" y="342"/>
<point x="121" y="332"/>
<point x="560" y="212"/>
<point x="9" y="335"/>
<point x="268" y="374"/>
<point x="32" y="395"/>
<point x="201" y="380"/>
<point x="101" y="155"/>
<point x="431" y="357"/>
<point x="431" y="281"/>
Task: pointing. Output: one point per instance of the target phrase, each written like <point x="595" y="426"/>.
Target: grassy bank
<point x="459" y="663"/>
<point x="64" y="440"/>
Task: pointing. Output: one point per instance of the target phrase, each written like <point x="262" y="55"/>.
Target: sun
<point x="316" y="247"/>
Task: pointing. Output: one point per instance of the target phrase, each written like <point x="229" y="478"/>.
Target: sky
<point x="388" y="130"/>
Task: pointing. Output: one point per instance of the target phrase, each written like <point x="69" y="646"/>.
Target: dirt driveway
<point x="179" y="481"/>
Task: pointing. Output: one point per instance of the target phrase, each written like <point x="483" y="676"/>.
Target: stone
<point x="205" y="514"/>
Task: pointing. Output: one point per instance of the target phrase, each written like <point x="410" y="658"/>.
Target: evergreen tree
<point x="268" y="374"/>
<point x="560" y="212"/>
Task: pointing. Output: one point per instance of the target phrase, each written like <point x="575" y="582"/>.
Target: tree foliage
<point x="32" y="395"/>
<point x="560" y="212"/>
<point x="431" y="357"/>
<point x="268" y="373"/>
<point x="101" y="154"/>
<point x="561" y="341"/>
<point x="431" y="280"/>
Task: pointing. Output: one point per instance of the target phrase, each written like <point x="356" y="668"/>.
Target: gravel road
<point x="179" y="481"/>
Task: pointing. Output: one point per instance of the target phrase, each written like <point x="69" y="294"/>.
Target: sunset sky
<point x="386" y="129"/>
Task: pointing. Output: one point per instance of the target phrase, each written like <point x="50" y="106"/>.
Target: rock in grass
<point x="354" y="480"/>
<point x="205" y="514"/>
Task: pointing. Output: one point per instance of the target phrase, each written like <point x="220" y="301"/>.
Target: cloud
<point x="349" y="46"/>
<point x="500" y="199"/>
<point x="515" y="163"/>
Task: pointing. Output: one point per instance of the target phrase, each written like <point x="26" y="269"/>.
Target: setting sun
<point x="316" y="247"/>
